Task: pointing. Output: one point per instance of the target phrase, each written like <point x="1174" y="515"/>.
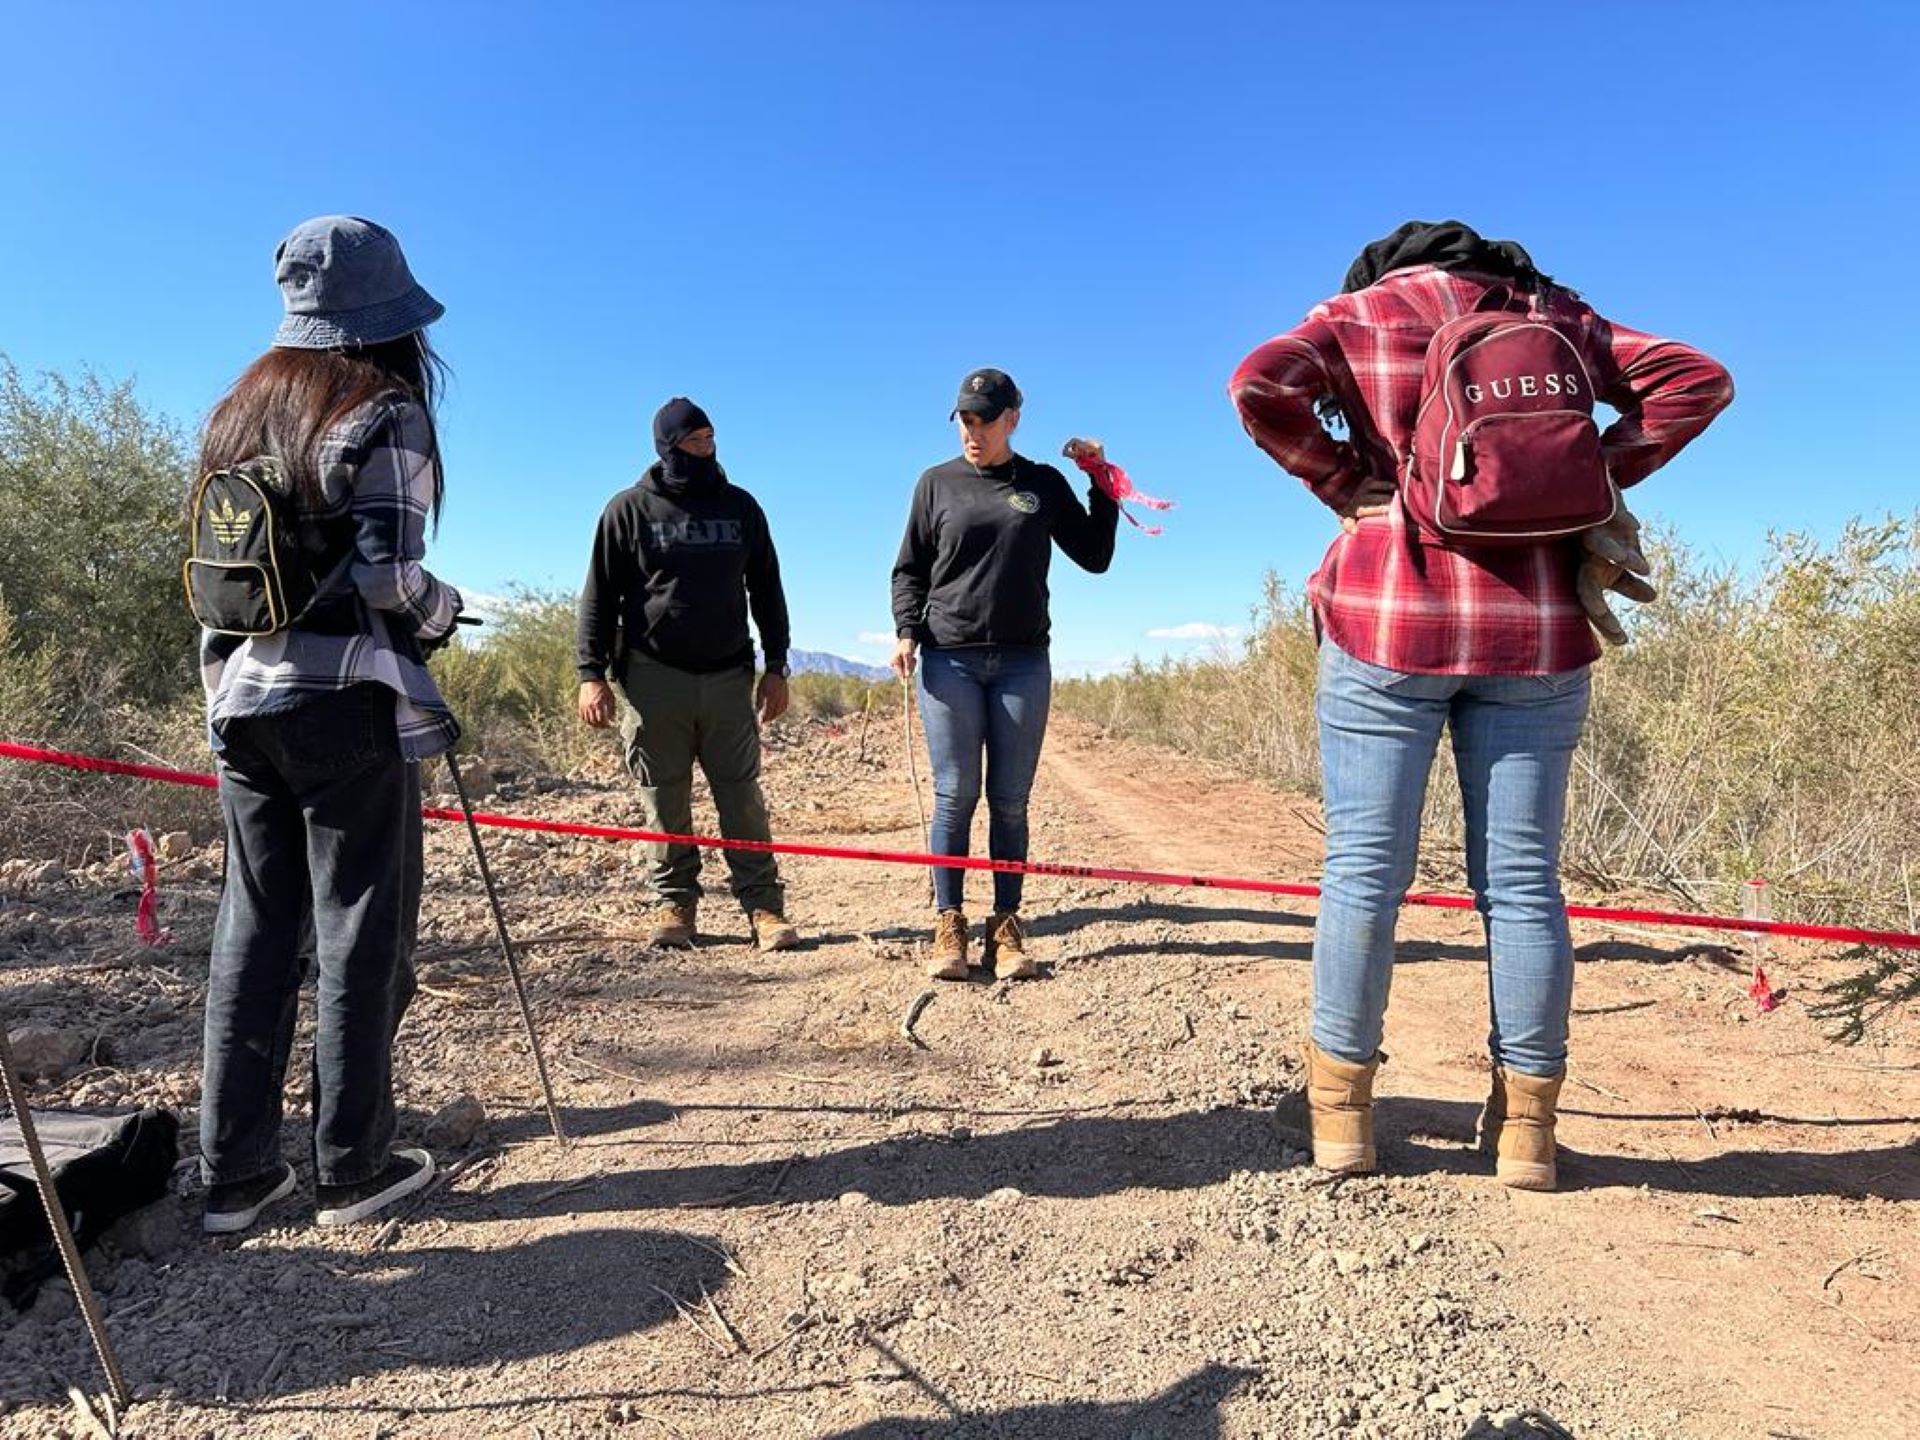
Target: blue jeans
<point x="323" y="825"/>
<point x="1513" y="743"/>
<point x="996" y="697"/>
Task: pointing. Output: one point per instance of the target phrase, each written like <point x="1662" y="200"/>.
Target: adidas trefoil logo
<point x="228" y="523"/>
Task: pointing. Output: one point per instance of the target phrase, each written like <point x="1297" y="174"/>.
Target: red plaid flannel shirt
<point x="1388" y="595"/>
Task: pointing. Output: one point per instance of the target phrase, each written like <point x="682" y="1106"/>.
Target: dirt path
<point x="1071" y="1214"/>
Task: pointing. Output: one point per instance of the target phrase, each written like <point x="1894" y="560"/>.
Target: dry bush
<point x="829" y="697"/>
<point x="514" y="688"/>
<point x="1253" y="709"/>
<point x="1761" y="723"/>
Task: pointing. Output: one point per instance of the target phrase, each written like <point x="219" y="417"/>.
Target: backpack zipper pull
<point x="1459" y="471"/>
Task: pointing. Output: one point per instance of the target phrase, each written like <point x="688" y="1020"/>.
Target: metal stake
<point x="62" y="1231"/>
<point x="506" y="949"/>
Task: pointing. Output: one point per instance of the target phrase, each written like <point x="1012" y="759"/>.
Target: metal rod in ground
<point x="62" y="1232"/>
<point x="913" y="773"/>
<point x="506" y="949"/>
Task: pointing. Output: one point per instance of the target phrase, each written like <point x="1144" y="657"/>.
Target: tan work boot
<point x="1340" y="1111"/>
<point x="1006" y="948"/>
<point x="772" y="932"/>
<point x="1516" y="1128"/>
<point x="948" y="960"/>
<point x="672" y="926"/>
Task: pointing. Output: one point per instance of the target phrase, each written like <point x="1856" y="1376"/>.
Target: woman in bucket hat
<point x="318" y="730"/>
<point x="970" y="611"/>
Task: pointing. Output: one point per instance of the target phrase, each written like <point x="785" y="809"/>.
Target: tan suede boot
<point x="671" y="926"/>
<point x="1517" y="1128"/>
<point x="771" y="930"/>
<point x="1006" y="948"/>
<point x="948" y="958"/>
<point x="1340" y="1111"/>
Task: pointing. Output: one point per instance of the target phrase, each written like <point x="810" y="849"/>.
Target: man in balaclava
<point x="678" y="561"/>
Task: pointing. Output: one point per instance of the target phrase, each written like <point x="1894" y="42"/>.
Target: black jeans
<point x="323" y="822"/>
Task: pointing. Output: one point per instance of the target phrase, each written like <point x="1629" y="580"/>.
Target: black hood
<point x="1450" y="244"/>
<point x="678" y="470"/>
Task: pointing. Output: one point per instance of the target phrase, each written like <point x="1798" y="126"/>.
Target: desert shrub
<point x="96" y="645"/>
<point x="1249" y="706"/>
<point x="1763" y="722"/>
<point x="829" y="697"/>
<point x="513" y="685"/>
<point x="91" y="486"/>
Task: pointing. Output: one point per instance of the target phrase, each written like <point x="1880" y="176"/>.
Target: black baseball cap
<point x="987" y="393"/>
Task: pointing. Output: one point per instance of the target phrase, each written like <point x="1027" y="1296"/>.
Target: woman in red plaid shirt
<point x="1492" y="643"/>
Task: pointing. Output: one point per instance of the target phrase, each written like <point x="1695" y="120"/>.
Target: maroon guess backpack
<point x="1505" y="450"/>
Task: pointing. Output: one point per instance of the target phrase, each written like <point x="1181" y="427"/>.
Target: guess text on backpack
<point x="1505" y="450"/>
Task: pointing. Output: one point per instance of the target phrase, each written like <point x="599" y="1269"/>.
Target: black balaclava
<point x="1450" y="244"/>
<point x="676" y="420"/>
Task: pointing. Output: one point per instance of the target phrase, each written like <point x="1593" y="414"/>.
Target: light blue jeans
<point x="1513" y="743"/>
<point x="974" y="698"/>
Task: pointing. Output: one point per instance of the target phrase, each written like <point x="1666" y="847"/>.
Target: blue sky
<point x="814" y="218"/>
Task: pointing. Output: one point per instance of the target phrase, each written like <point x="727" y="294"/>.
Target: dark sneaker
<point x="406" y="1172"/>
<point x="948" y="959"/>
<point x="772" y="932"/>
<point x="233" y="1208"/>
<point x="670" y="926"/>
<point x="1006" y="948"/>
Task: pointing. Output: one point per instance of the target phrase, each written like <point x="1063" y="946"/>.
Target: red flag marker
<point x="1113" y="482"/>
<point x="146" y="869"/>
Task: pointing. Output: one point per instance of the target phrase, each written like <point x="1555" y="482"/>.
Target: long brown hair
<point x="287" y="400"/>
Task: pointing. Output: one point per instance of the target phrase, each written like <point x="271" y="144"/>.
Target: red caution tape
<point x="1837" y="934"/>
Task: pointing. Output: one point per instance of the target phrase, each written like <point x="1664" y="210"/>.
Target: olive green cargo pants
<point x="673" y="718"/>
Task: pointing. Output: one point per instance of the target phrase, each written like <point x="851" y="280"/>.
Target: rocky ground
<point x="1070" y="1211"/>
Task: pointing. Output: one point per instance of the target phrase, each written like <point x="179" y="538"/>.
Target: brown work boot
<point x="948" y="960"/>
<point x="1006" y="948"/>
<point x="1516" y="1128"/>
<point x="772" y="932"/>
<point x="671" y="926"/>
<point x="1340" y="1111"/>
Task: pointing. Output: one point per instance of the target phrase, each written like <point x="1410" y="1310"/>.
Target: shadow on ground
<point x="1189" y="1410"/>
<point x="1075" y="1157"/>
<point x="295" y="1319"/>
<point x="1082" y="1157"/>
<point x="1409" y="1126"/>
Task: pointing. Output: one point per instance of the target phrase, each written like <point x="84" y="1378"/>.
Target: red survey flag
<point x="1114" y="483"/>
<point x="146" y="869"/>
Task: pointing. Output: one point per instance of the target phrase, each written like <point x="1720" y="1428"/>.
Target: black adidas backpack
<point x="247" y="572"/>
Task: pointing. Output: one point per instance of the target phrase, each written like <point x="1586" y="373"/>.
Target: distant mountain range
<point x="819" y="662"/>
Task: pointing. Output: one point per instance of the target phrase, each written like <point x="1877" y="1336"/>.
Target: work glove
<point x="1613" y="561"/>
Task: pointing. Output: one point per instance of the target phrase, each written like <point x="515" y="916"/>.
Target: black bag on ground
<point x="104" y="1167"/>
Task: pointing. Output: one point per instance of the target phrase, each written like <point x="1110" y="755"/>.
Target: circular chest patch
<point x="1025" y="501"/>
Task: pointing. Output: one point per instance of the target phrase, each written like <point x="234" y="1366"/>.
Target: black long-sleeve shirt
<point x="973" y="564"/>
<point x="672" y="575"/>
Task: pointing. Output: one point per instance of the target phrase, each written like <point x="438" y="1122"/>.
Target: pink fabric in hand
<point x="1117" y="487"/>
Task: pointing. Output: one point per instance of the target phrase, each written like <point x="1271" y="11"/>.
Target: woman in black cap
<point x="970" y="606"/>
<point x="318" y="728"/>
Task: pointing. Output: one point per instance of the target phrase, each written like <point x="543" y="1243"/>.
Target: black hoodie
<point x="677" y="560"/>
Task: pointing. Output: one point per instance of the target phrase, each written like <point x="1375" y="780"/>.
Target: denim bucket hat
<point x="345" y="283"/>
